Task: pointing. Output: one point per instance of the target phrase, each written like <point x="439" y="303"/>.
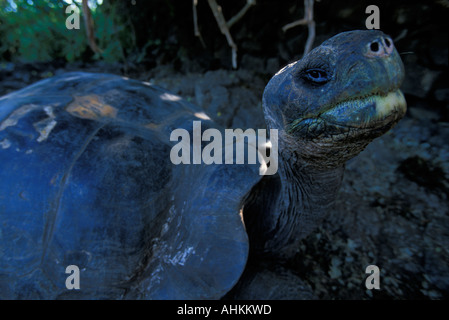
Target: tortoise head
<point x="338" y="98"/>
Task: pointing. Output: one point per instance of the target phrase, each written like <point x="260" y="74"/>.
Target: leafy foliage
<point x="36" y="31"/>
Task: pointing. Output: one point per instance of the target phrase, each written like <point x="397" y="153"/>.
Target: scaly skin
<point x="327" y="107"/>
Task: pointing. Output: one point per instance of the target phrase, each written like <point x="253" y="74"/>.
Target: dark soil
<point x="393" y="208"/>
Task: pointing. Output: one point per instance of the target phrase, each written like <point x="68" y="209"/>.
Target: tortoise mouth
<point x="369" y="115"/>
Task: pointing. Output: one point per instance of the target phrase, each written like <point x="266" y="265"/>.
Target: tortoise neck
<point x="306" y="194"/>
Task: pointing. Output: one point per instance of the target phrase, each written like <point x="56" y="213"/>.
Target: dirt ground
<point x="392" y="210"/>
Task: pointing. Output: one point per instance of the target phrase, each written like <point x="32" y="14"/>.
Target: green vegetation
<point x="36" y="30"/>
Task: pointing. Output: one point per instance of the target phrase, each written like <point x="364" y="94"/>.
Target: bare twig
<point x="89" y="23"/>
<point x="310" y="37"/>
<point x="218" y="14"/>
<point x="241" y="13"/>
<point x="294" y="24"/>
<point x="225" y="26"/>
<point x="196" y="30"/>
<point x="307" y="20"/>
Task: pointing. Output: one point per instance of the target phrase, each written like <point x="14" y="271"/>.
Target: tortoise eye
<point x="316" y="76"/>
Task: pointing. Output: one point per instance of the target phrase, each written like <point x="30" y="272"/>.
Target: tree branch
<point x="225" y="26"/>
<point x="196" y="30"/>
<point x="307" y="20"/>
<point x="89" y="23"/>
<point x="218" y="14"/>
<point x="241" y="13"/>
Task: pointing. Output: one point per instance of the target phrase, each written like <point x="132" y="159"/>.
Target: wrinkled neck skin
<point x="305" y="192"/>
<point x="327" y="107"/>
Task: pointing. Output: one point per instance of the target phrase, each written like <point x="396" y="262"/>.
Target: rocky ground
<point x="392" y="212"/>
<point x="393" y="208"/>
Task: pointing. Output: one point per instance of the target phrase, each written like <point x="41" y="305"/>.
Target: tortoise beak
<point x="368" y="112"/>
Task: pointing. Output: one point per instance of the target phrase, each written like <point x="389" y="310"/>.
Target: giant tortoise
<point x="87" y="179"/>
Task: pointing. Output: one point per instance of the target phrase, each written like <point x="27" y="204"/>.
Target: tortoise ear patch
<point x="91" y="107"/>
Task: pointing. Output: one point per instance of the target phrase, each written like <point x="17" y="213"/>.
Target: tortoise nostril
<point x="374" y="46"/>
<point x="380" y="47"/>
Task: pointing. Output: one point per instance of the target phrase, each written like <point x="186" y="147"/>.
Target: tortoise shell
<point x="87" y="180"/>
